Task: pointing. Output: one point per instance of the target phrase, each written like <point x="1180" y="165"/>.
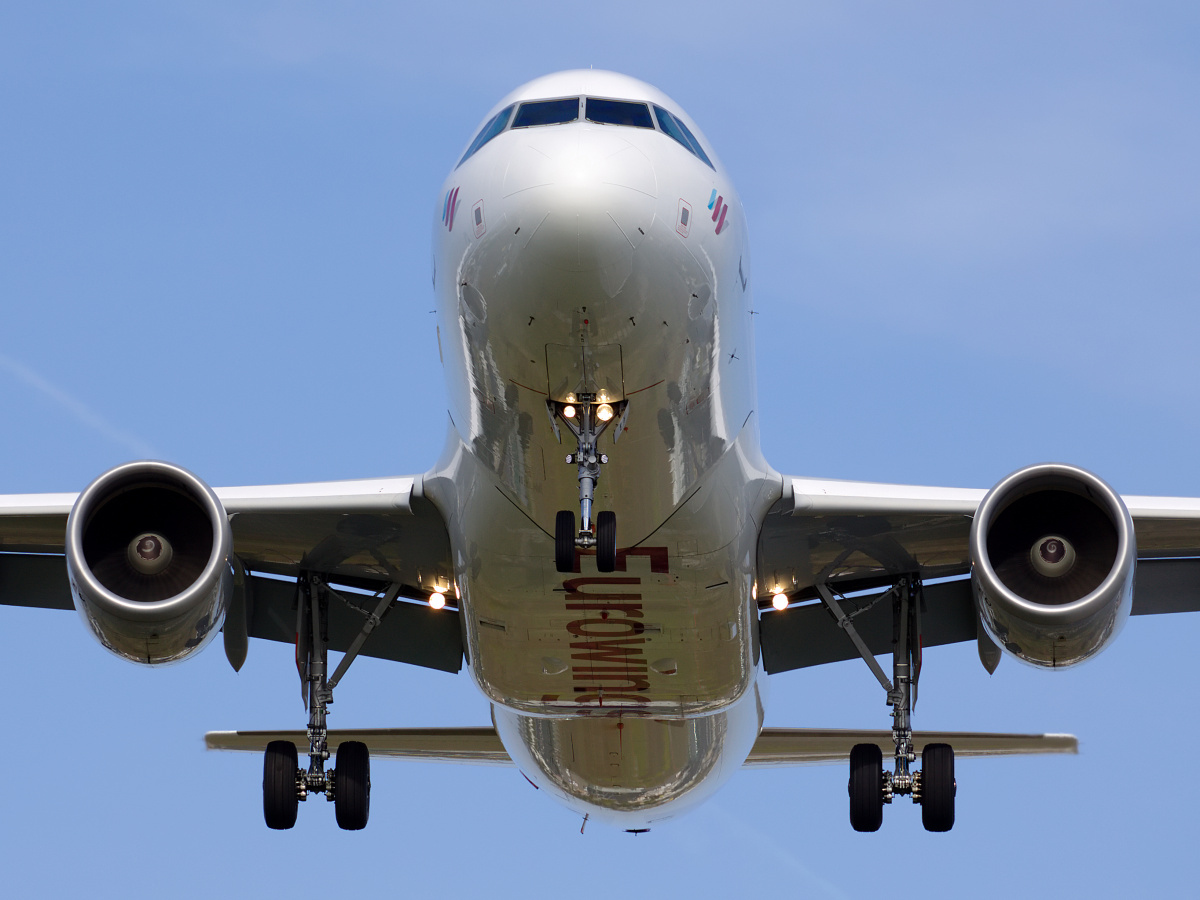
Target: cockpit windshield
<point x="627" y="113"/>
<point x="547" y="112"/>
<point x="618" y="112"/>
<point x="676" y="129"/>
<point x="494" y="126"/>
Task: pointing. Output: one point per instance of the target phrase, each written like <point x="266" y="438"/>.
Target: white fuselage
<point x="611" y="259"/>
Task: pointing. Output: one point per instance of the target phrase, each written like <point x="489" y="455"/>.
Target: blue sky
<point x="974" y="231"/>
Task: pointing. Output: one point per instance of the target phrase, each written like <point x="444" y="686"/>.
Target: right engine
<point x="149" y="550"/>
<point x="1053" y="553"/>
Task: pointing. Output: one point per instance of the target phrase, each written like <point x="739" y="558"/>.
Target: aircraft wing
<point x="857" y="536"/>
<point x="363" y="534"/>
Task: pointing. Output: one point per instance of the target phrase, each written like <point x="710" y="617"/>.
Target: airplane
<point x="601" y="543"/>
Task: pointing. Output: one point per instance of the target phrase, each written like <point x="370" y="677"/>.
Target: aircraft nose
<point x="586" y="198"/>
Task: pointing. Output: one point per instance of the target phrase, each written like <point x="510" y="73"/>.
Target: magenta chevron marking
<point x="452" y="202"/>
<point x="719" y="210"/>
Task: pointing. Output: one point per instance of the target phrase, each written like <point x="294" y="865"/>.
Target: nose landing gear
<point x="586" y="418"/>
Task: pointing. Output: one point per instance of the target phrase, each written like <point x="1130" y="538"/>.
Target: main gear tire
<point x="352" y="791"/>
<point x="280" y="796"/>
<point x="866" y="787"/>
<point x="937" y="787"/>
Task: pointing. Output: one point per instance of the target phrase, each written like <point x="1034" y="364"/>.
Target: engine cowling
<point x="1053" y="553"/>
<point x="148" y="551"/>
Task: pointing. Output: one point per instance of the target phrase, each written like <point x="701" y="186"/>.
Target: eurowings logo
<point x="448" y="207"/>
<point x="719" y="208"/>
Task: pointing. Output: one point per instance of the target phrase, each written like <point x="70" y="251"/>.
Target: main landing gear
<point x="586" y="417"/>
<point x="870" y="787"/>
<point x="348" y="784"/>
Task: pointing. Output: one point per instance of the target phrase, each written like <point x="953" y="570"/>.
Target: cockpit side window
<point x="680" y="132"/>
<point x="494" y="126"/>
<point x="547" y="112"/>
<point x="618" y="112"/>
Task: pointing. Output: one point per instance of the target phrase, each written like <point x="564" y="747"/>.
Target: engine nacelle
<point x="148" y="555"/>
<point x="1053" y="553"/>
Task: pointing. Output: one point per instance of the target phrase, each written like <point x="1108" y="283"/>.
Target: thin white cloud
<point x="78" y="410"/>
<point x="805" y="882"/>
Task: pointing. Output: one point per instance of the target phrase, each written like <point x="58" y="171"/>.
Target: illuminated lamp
<point x="780" y="601"/>
<point x="437" y="600"/>
<point x="568" y="412"/>
<point x="604" y="412"/>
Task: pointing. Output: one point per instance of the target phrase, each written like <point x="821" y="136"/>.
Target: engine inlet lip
<point x="145" y="473"/>
<point x="1060" y="476"/>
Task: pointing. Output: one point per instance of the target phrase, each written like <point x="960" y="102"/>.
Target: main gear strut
<point x="587" y="417"/>
<point x="870" y="787"/>
<point x="348" y="785"/>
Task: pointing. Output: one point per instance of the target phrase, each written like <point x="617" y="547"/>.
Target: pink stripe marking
<point x="717" y="208"/>
<point x="453" y="202"/>
<point x="721" y="224"/>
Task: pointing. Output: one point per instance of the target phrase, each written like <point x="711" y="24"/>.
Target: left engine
<point x="1053" y="553"/>
<point x="149" y="552"/>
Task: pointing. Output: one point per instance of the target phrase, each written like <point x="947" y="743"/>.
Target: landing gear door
<point x="577" y="369"/>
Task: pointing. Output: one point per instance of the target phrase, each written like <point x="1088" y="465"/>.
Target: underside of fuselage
<point x="578" y="260"/>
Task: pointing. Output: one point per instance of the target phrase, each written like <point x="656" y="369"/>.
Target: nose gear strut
<point x="586" y="418"/>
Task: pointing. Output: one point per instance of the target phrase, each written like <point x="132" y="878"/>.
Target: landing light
<point x="437" y="599"/>
<point x="604" y="412"/>
<point x="780" y="601"/>
<point x="568" y="412"/>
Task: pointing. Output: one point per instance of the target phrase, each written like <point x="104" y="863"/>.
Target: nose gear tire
<point x="564" y="541"/>
<point x="606" y="541"/>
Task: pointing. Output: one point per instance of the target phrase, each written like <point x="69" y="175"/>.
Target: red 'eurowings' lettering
<point x="613" y="652"/>
<point x="659" y="564"/>
<point x="610" y="661"/>
<point x="604" y="627"/>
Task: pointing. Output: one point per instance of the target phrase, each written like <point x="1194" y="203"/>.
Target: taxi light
<point x="604" y="412"/>
<point x="437" y="599"/>
<point x="568" y="412"/>
<point x="780" y="601"/>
